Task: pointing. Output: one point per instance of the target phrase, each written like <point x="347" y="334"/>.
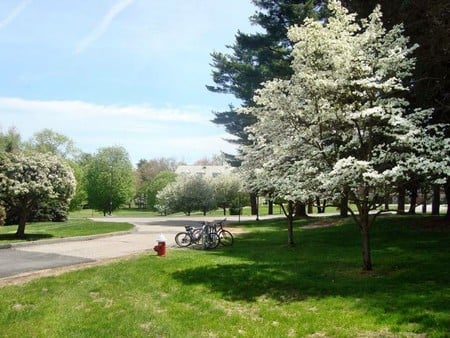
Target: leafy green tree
<point x="160" y="181"/>
<point x="109" y="179"/>
<point x="145" y="173"/>
<point x="49" y="141"/>
<point x="10" y="141"/>
<point x="30" y="183"/>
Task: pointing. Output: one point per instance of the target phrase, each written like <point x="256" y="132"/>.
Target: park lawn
<point x="260" y="287"/>
<point x="71" y="228"/>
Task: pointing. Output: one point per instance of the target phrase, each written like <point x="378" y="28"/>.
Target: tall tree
<point x="49" y="141"/>
<point x="109" y="179"/>
<point x="255" y="58"/>
<point x="341" y="117"/>
<point x="29" y="183"/>
<point x="10" y="141"/>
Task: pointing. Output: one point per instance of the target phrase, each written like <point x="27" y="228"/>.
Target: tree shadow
<point x="409" y="281"/>
<point x="30" y="237"/>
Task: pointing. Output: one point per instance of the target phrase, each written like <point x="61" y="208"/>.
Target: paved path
<point x="23" y="259"/>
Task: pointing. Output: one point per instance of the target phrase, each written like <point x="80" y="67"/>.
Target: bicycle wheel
<point x="213" y="240"/>
<point x="183" y="239"/>
<point x="209" y="240"/>
<point x="226" y="238"/>
<point x="197" y="236"/>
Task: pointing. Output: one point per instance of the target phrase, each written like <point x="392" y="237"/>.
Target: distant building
<point x="203" y="170"/>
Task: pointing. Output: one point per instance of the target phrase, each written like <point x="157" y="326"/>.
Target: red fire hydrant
<point x="160" y="248"/>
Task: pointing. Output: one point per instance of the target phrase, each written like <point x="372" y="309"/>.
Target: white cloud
<point x="14" y="13"/>
<point x="103" y="25"/>
<point x="185" y="133"/>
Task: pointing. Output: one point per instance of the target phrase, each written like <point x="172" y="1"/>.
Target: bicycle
<point x="225" y="237"/>
<point x="197" y="235"/>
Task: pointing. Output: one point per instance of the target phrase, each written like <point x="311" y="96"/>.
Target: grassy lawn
<point x="71" y="228"/>
<point x="257" y="288"/>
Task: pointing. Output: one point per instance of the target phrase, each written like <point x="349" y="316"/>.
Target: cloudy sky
<point x="118" y="72"/>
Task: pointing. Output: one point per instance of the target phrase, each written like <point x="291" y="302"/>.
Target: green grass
<point x="71" y="228"/>
<point x="260" y="287"/>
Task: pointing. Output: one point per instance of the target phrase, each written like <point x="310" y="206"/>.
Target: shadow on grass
<point x="9" y="238"/>
<point x="410" y="283"/>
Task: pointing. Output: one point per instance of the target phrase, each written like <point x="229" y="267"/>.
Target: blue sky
<point x="118" y="72"/>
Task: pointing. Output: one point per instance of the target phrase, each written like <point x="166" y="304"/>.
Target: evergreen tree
<point x="255" y="58"/>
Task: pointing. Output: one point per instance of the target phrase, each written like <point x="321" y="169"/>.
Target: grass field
<point x="71" y="228"/>
<point x="260" y="287"/>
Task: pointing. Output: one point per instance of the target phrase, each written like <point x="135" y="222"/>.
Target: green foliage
<point x="10" y="141"/>
<point x="80" y="196"/>
<point x="109" y="179"/>
<point x="160" y="181"/>
<point x="49" y="141"/>
<point x="257" y="288"/>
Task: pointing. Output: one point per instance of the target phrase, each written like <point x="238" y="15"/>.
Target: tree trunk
<point x="447" y="196"/>
<point x="20" y="233"/>
<point x="412" y="201"/>
<point x="436" y="201"/>
<point x="270" y="210"/>
<point x="386" y="201"/>
<point x="401" y="200"/>
<point x="300" y="209"/>
<point x="424" y="205"/>
<point x="291" y="223"/>
<point x="365" y="240"/>
<point x="310" y="207"/>
<point x="224" y="211"/>
<point x="320" y="208"/>
<point x="253" y="204"/>
<point x="290" y="216"/>
<point x="344" y="206"/>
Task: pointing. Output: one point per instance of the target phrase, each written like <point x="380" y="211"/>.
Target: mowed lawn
<point x="53" y="230"/>
<point x="260" y="287"/>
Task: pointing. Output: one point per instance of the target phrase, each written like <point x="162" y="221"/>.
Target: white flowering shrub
<point x="339" y="125"/>
<point x="30" y="183"/>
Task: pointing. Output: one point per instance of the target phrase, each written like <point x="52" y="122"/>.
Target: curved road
<point x="27" y="259"/>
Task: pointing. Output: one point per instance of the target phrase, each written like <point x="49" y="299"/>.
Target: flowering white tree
<point x="339" y="126"/>
<point x="28" y="182"/>
<point x="188" y="193"/>
<point x="228" y="190"/>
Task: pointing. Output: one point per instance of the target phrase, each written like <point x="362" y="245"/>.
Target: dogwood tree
<point x="30" y="182"/>
<point x="339" y="126"/>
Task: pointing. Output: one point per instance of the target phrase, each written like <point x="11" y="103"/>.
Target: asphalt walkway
<point x="24" y="259"/>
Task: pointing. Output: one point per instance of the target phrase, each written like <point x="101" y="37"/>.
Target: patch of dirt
<point x="322" y="224"/>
